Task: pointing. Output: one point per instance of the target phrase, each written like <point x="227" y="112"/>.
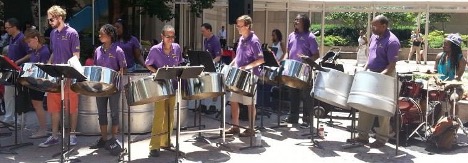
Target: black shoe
<point x="290" y="120"/>
<point x="212" y="110"/>
<point x="114" y="146"/>
<point x="305" y="125"/>
<point x="154" y="153"/>
<point x="99" y="144"/>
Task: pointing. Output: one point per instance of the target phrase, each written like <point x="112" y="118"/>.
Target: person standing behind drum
<point x="277" y="39"/>
<point x="249" y="55"/>
<point x="65" y="44"/>
<point x="17" y="51"/>
<point x="129" y="44"/>
<point x="167" y="53"/>
<point x="39" y="54"/>
<point x="301" y="42"/>
<point x="383" y="55"/>
<point x="211" y="42"/>
<point x="111" y="56"/>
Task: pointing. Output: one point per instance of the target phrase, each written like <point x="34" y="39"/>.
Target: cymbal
<point x="455" y="82"/>
<point x="427" y="74"/>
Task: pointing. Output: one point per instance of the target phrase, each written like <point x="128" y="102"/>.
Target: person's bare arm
<point x="23" y="60"/>
<point x="461" y="68"/>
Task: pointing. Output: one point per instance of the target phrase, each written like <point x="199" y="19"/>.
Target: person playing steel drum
<point x="109" y="55"/>
<point x="383" y="55"/>
<point x="167" y="53"/>
<point x="249" y="55"/>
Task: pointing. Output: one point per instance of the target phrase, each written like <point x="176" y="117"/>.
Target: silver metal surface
<point x="295" y="74"/>
<point x="332" y="87"/>
<point x="101" y="81"/>
<point x="240" y="81"/>
<point x="269" y="75"/>
<point x="373" y="93"/>
<point x="6" y="78"/>
<point x="147" y="90"/>
<point x="208" y="85"/>
<point x="33" y="77"/>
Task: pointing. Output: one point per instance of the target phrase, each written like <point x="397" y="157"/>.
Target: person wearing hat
<point x="451" y="64"/>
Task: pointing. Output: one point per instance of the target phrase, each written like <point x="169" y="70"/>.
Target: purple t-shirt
<point x="158" y="59"/>
<point x="213" y="46"/>
<point x="18" y="48"/>
<point x="113" y="58"/>
<point x="302" y="43"/>
<point x="248" y="50"/>
<point x="64" y="43"/>
<point x="41" y="55"/>
<point x="128" y="48"/>
<point x="382" y="51"/>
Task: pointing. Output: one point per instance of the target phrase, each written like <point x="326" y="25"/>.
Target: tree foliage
<point x="162" y="9"/>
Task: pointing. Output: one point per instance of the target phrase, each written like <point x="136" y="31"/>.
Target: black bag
<point x="114" y="147"/>
<point x="23" y="102"/>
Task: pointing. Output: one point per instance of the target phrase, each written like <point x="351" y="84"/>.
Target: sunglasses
<point x="8" y="27"/>
<point x="170" y="36"/>
<point x="51" y="19"/>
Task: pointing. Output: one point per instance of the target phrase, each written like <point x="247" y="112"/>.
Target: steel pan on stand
<point x="332" y="87"/>
<point x="206" y="86"/>
<point x="373" y="93"/>
<point x="101" y="82"/>
<point x="35" y="78"/>
<point x="240" y="81"/>
<point x="295" y="74"/>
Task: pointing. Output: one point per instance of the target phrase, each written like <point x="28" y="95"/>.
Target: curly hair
<point x="110" y="30"/>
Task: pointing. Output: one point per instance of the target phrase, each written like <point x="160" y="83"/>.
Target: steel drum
<point x="295" y="74"/>
<point x="101" y="82"/>
<point x="332" y="87"/>
<point x="208" y="85"/>
<point x="240" y="81"/>
<point x="147" y="90"/>
<point x="373" y="93"/>
<point x="269" y="75"/>
<point x="33" y="77"/>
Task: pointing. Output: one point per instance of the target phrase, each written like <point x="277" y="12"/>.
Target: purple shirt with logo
<point x="113" y="58"/>
<point x="128" y="48"/>
<point x="17" y="48"/>
<point x="41" y="55"/>
<point x="158" y="59"/>
<point x="248" y="50"/>
<point x="213" y="46"/>
<point x="64" y="43"/>
<point x="383" y="51"/>
<point x="302" y="43"/>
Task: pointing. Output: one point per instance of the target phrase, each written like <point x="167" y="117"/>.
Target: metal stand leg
<point x="251" y="122"/>
<point x="125" y="152"/>
<point x="278" y="111"/>
<point x="311" y="134"/>
<point x="198" y="111"/>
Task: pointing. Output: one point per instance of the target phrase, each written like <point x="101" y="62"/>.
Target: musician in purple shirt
<point x="211" y="42"/>
<point x="17" y="52"/>
<point x="249" y="55"/>
<point x="301" y="43"/>
<point x="39" y="54"/>
<point x="129" y="44"/>
<point x="65" y="43"/>
<point x="167" y="53"/>
<point x="383" y="55"/>
<point x="111" y="56"/>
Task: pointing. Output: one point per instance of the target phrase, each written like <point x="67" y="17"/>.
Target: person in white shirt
<point x="277" y="39"/>
<point x="222" y="37"/>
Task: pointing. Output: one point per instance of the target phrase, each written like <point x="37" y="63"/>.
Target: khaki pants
<point x="160" y="123"/>
<point x="366" y="121"/>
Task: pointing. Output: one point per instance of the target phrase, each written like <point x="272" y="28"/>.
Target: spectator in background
<point x="277" y="39"/>
<point x="222" y="37"/>
<point x="4" y="37"/>
<point x="416" y="39"/>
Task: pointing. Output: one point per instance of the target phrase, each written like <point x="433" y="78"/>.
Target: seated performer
<point x="166" y="53"/>
<point x="111" y="56"/>
<point x="249" y="55"/>
<point x="39" y="54"/>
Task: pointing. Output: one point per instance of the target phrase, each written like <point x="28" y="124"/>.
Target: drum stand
<point x="61" y="73"/>
<point x="278" y="110"/>
<point x="251" y="121"/>
<point x="16" y="145"/>
<point x="312" y="137"/>
<point x="455" y="98"/>
<point x="125" y="152"/>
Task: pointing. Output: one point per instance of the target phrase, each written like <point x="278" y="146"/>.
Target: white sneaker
<point x="73" y="140"/>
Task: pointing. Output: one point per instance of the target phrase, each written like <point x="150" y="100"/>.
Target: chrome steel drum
<point x="269" y="75"/>
<point x="295" y="74"/>
<point x="101" y="81"/>
<point x="33" y="77"/>
<point x="208" y="85"/>
<point x="224" y="70"/>
<point x="147" y="90"/>
<point x="332" y="87"/>
<point x="373" y="93"/>
<point x="240" y="81"/>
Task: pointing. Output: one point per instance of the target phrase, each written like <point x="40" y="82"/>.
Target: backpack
<point x="444" y="133"/>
